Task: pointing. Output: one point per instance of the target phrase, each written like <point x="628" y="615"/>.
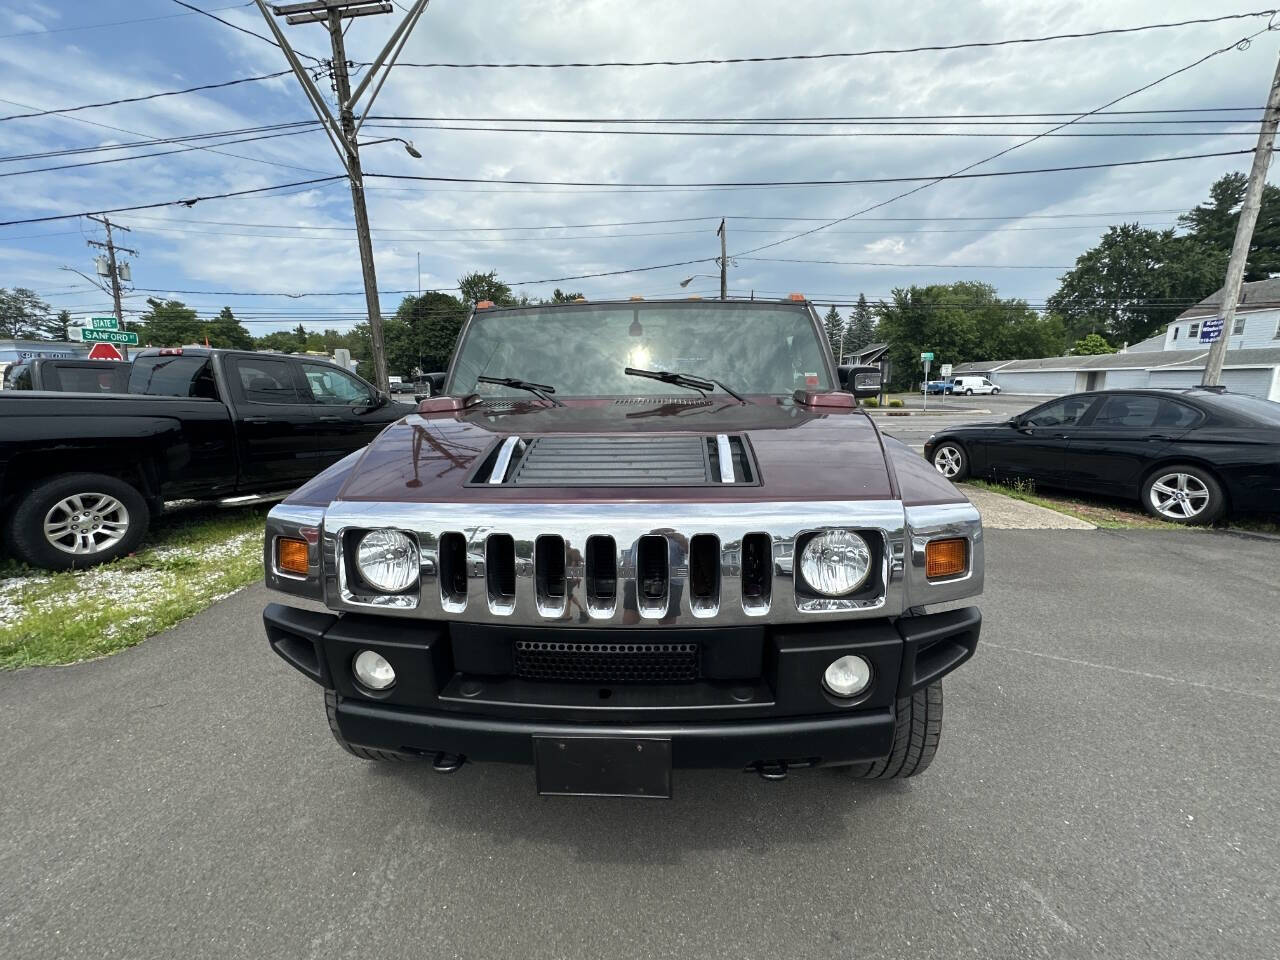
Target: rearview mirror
<point x="861" y="381"/>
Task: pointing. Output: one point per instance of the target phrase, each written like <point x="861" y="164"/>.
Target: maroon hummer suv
<point x="630" y="537"/>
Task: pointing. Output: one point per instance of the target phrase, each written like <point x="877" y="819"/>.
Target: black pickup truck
<point x="81" y="474"/>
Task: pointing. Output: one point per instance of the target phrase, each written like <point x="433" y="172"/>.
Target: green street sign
<point x="104" y="323"/>
<point x="108" y="336"/>
<point x="926" y="356"/>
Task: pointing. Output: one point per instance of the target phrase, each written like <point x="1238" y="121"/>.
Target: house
<point x="1174" y="357"/>
<point x="870" y="354"/>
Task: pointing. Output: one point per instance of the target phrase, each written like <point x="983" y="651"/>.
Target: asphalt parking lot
<point x="1105" y="786"/>
<point x="949" y="411"/>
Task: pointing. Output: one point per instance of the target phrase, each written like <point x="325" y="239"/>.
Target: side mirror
<point x="862" y="381"/>
<point x="436" y="382"/>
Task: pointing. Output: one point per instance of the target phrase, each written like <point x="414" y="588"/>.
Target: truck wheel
<point x="915" y="737"/>
<point x="76" y="520"/>
<point x="364" y="753"/>
<point x="1183" y="493"/>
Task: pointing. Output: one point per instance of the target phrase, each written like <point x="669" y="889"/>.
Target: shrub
<point x="895" y="402"/>
<point x="870" y="402"/>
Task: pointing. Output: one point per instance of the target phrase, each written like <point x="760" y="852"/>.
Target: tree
<point x="833" y="326"/>
<point x="25" y="315"/>
<point x="434" y="320"/>
<point x="284" y="341"/>
<point x="64" y="324"/>
<point x="475" y="287"/>
<point x="1213" y="224"/>
<point x="169" y="323"/>
<point x="226" y="331"/>
<point x="1092" y="345"/>
<point x="958" y="323"/>
<point x="559" y="296"/>
<point x="861" y="329"/>
<point x="1134" y="281"/>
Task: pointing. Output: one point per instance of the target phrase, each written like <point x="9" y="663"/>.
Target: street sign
<point x="926" y="357"/>
<point x="944" y="371"/>
<point x="1211" y="330"/>
<point x="89" y="335"/>
<point x="104" y="323"/>
<point x="105" y="351"/>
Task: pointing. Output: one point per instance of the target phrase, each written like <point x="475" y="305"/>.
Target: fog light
<point x="848" y="676"/>
<point x="373" y="671"/>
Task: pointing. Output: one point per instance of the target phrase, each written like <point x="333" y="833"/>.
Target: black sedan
<point x="1189" y="455"/>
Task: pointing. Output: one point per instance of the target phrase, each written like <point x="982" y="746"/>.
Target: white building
<point x="1173" y="358"/>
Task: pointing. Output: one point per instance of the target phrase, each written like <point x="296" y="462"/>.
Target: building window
<point x="1237" y="328"/>
<point x="1194" y="331"/>
<point x="1175" y="333"/>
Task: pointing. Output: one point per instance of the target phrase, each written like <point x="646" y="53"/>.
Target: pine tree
<point x="861" y="331"/>
<point x="833" y="326"/>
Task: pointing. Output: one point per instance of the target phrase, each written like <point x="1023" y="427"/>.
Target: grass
<point x="191" y="558"/>
<point x="1108" y="513"/>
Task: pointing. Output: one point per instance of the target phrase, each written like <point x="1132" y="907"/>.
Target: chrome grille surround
<point x="900" y="579"/>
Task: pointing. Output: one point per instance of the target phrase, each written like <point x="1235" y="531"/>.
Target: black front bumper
<point x="759" y="707"/>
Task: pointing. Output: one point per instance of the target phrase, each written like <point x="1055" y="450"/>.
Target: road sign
<point x="944" y="371"/>
<point x="105" y="351"/>
<point x="104" y="323"/>
<point x="89" y="335"/>
<point x="1211" y="330"/>
<point x="926" y="357"/>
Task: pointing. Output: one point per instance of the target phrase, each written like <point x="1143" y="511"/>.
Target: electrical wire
<point x="928" y="48"/>
<point x="148" y="96"/>
<point x="112" y="23"/>
<point x="233" y="26"/>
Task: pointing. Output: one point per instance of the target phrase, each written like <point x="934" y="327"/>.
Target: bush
<point x="870" y="402"/>
<point x="895" y="402"/>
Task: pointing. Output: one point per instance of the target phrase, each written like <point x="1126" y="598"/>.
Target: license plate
<point x="603" y="766"/>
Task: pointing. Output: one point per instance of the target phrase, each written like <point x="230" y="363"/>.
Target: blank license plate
<point x="603" y="766"/>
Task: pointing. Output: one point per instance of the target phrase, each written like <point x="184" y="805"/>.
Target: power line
<point x="109" y="23"/>
<point x="963" y="171"/>
<point x="948" y="266"/>
<point x="929" y="48"/>
<point x="148" y="96"/>
<point x="153" y="141"/>
<point x="934" y="178"/>
<point x="188" y="202"/>
<point x="233" y="26"/>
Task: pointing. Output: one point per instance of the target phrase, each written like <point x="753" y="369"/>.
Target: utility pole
<point x="111" y="249"/>
<point x="724" y="262"/>
<point x="1244" y="233"/>
<point x="342" y="130"/>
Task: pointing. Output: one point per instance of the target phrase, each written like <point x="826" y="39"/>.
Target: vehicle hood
<point x="800" y="452"/>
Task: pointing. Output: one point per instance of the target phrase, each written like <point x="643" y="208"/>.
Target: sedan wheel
<point x="1183" y="494"/>
<point x="948" y="460"/>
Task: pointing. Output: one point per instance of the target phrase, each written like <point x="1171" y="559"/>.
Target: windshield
<point x="582" y="349"/>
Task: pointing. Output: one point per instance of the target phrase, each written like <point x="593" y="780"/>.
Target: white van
<point x="971" y="385"/>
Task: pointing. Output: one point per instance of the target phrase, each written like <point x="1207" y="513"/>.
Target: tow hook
<point x="772" y="769"/>
<point x="447" y="762"/>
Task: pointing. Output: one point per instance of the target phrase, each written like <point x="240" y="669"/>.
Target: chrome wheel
<point x="948" y="461"/>
<point x="86" y="523"/>
<point x="1179" y="496"/>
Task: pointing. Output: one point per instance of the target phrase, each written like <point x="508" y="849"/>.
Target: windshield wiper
<point x="541" y="390"/>
<point x="702" y="384"/>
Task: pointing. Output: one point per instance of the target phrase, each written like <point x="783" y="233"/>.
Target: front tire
<point x="364" y="753"/>
<point x="915" y="737"/>
<point x="968" y="391"/>
<point x="994" y="391"/>
<point x="1182" y="493"/>
<point x="75" y="520"/>
<point x="949" y="459"/>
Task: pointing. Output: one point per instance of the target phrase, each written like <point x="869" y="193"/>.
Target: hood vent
<point x="638" y="460"/>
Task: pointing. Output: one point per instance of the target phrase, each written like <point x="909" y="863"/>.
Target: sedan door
<point x="275" y="429"/>
<point x="1126" y="432"/>
<point x="348" y="411"/>
<point x="1034" y="446"/>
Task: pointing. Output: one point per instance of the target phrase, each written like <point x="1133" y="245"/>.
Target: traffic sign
<point x="104" y="323"/>
<point x="926" y="356"/>
<point x="105" y="351"/>
<point x="89" y="335"/>
<point x="1211" y="330"/>
<point x="944" y="371"/>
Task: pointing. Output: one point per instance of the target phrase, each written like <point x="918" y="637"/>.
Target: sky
<point x="300" y="241"/>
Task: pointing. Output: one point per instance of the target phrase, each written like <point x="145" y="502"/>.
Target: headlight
<point x="835" y="563"/>
<point x="387" y="560"/>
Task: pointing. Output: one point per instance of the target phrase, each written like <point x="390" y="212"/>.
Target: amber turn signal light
<point x="945" y="558"/>
<point x="291" y="556"/>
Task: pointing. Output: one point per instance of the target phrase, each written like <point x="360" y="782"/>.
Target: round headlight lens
<point x="848" y="676"/>
<point x="835" y="563"/>
<point x="388" y="560"/>
<point x="373" y="671"/>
